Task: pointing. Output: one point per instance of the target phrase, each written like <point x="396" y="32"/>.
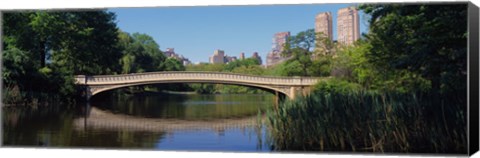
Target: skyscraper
<point x="348" y="27"/>
<point x="273" y="58"/>
<point x="256" y="56"/>
<point x="323" y="24"/>
<point x="278" y="41"/>
<point x="242" y="56"/>
<point x="218" y="57"/>
<point x="170" y="53"/>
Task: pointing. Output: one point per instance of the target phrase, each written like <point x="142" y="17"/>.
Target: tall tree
<point x="44" y="49"/>
<point x="430" y="40"/>
<point x="308" y="51"/>
<point x="89" y="47"/>
<point x="172" y="64"/>
<point x="140" y="53"/>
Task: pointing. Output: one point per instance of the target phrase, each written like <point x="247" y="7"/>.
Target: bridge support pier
<point x="277" y="99"/>
<point x="88" y="94"/>
<point x="295" y="92"/>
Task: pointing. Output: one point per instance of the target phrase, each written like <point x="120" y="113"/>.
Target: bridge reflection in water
<point x="100" y="119"/>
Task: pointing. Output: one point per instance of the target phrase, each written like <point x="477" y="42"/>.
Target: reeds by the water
<point x="370" y="122"/>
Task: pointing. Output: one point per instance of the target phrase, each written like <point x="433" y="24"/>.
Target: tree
<point x="140" y="53"/>
<point x="43" y="49"/>
<point x="430" y="40"/>
<point x="238" y="63"/>
<point x="324" y="46"/>
<point x="172" y="64"/>
<point x="353" y="65"/>
<point x="300" y="48"/>
<point x="249" y="69"/>
<point x="310" y="52"/>
<point x="85" y="42"/>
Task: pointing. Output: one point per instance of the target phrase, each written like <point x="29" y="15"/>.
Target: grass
<point x="370" y="122"/>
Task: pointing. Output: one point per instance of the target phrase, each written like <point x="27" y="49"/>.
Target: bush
<point x="334" y="85"/>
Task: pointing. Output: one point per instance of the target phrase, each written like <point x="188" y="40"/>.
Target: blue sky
<point x="195" y="32"/>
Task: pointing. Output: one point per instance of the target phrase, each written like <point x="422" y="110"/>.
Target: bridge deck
<point x="195" y="76"/>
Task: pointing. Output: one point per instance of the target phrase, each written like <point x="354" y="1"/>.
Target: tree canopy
<point x="44" y="49"/>
<point x="430" y="40"/>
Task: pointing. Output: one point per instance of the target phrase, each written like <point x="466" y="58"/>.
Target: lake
<point x="151" y="121"/>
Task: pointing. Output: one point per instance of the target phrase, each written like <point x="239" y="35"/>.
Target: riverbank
<point x="100" y="119"/>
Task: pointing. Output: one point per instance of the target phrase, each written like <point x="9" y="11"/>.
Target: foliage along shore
<point x="402" y="88"/>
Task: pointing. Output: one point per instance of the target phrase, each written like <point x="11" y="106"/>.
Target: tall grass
<point x="363" y="121"/>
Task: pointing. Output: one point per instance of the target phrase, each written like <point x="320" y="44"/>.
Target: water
<point x="158" y="121"/>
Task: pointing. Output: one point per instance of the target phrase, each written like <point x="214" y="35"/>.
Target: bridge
<point x="288" y="86"/>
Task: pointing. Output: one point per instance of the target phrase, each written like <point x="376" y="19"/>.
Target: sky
<point x="195" y="32"/>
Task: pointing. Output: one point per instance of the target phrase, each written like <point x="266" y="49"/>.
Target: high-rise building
<point x="170" y="53"/>
<point x="278" y="41"/>
<point x="242" y="56"/>
<point x="218" y="57"/>
<point x="186" y="62"/>
<point x="348" y="27"/>
<point x="230" y="58"/>
<point x="273" y="58"/>
<point x="323" y="24"/>
<point x="256" y="56"/>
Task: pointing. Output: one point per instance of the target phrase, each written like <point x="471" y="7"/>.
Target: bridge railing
<point x="192" y="75"/>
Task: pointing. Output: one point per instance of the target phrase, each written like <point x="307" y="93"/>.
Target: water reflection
<point x="183" y="106"/>
<point x="54" y="128"/>
<point x="163" y="122"/>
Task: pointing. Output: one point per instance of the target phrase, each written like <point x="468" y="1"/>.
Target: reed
<point x="369" y="122"/>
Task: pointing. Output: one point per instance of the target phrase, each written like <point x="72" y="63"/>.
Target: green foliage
<point x="252" y="70"/>
<point x="43" y="50"/>
<point x="81" y="37"/>
<point x="308" y="53"/>
<point x="334" y="85"/>
<point x="17" y="64"/>
<point x="293" y="68"/>
<point x="202" y="88"/>
<point x="430" y="40"/>
<point x="206" y="67"/>
<point x="321" y="67"/>
<point x="364" y="121"/>
<point x="352" y="64"/>
<point x="299" y="48"/>
<point x="172" y="64"/>
<point x="385" y="94"/>
<point x="238" y="63"/>
<point x="142" y="54"/>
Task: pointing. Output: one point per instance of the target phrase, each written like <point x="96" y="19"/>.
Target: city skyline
<point x="195" y="32"/>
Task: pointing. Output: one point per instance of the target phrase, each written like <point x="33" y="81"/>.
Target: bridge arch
<point x="288" y="86"/>
<point x="96" y="90"/>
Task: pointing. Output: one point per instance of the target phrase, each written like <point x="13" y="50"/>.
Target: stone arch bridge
<point x="289" y="86"/>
